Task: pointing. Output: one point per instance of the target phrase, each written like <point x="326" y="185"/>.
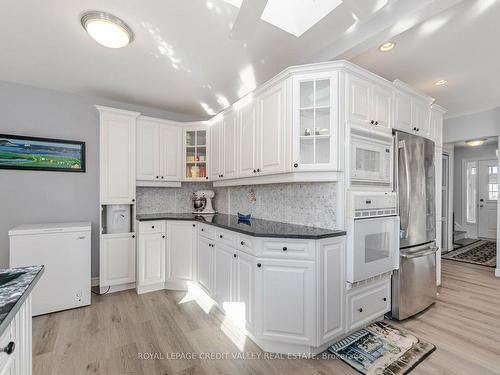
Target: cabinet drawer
<point x="367" y="303"/>
<point x="245" y="244"/>
<point x="290" y="249"/>
<point x="226" y="237"/>
<point x="157" y="226"/>
<point x="207" y="231"/>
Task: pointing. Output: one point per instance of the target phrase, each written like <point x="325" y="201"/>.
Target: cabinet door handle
<point x="360" y="309"/>
<point x="372" y="122"/>
<point x="162" y="177"/>
<point x="259" y="265"/>
<point x="162" y="236"/>
<point x="255" y="171"/>
<point x="81" y="237"/>
<point x="206" y="178"/>
<point x="258" y="169"/>
<point x="133" y="236"/>
<point x="242" y="243"/>
<point x="157" y="177"/>
<point x="376" y="122"/>
<point x="295" y="165"/>
<point x="133" y="200"/>
<point x="9" y="348"/>
<point x="234" y="255"/>
<point x="285" y="248"/>
<point x="384" y="299"/>
<point x="194" y="225"/>
<point x="203" y="230"/>
<point x="220" y="236"/>
<point x="152" y="227"/>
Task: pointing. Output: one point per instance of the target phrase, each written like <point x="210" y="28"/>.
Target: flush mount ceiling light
<point x="106" y="29"/>
<point x="475" y="142"/>
<point x="386" y="47"/>
<point x="441" y="82"/>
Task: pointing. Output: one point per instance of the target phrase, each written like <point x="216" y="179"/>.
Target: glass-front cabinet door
<point x="315" y="113"/>
<point x="195" y="154"/>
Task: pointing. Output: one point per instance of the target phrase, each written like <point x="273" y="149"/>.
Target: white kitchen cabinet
<point x="230" y="145"/>
<point x="158" y="151"/>
<point x="216" y="149"/>
<point x="247" y="140"/>
<point x="421" y="117"/>
<point x="315" y="114"/>
<point x="117" y="259"/>
<point x="285" y="305"/>
<point x="271" y="132"/>
<point x="437" y="114"/>
<point x="181" y="251"/>
<point x="369" y="104"/>
<point x="403" y="111"/>
<point x="223" y="275"/>
<point x="412" y="112"/>
<point x="117" y="155"/>
<point x="196" y="149"/>
<point x="204" y="262"/>
<point x="151" y="259"/>
<point x="331" y="278"/>
<point x="244" y="290"/>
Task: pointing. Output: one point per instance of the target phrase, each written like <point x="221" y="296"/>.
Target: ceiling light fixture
<point x="475" y="142"/>
<point x="386" y="47"/>
<point x="441" y="82"/>
<point x="106" y="29"/>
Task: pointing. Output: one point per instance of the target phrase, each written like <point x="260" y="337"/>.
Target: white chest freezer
<point x="64" y="250"/>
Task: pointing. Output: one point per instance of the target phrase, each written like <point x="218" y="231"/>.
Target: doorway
<point x="488" y="196"/>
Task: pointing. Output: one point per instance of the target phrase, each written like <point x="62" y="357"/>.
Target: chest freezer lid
<point x="50" y="228"/>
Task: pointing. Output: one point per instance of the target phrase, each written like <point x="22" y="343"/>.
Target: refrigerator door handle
<point x="405" y="222"/>
<point x="419" y="254"/>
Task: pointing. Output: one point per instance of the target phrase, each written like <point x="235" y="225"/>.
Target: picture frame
<point x="41" y="154"/>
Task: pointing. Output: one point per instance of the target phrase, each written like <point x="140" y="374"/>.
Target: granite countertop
<point x="256" y="227"/>
<point x="15" y="286"/>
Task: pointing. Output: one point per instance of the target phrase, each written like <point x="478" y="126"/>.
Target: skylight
<point x="294" y="16"/>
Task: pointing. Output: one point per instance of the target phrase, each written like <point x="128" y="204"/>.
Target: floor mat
<point x="482" y="252"/>
<point x="382" y="349"/>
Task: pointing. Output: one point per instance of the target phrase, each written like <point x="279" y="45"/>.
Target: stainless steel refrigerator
<point x="414" y="283"/>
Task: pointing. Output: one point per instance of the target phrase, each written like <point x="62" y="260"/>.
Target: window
<point x="493" y="183"/>
<point x="471" y="187"/>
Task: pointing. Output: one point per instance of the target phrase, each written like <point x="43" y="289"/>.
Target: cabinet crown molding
<point x="103" y="109"/>
<point x="412" y="91"/>
<point x="438" y="108"/>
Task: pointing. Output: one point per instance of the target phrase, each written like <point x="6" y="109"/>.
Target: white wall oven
<point x="373" y="235"/>
<point x="370" y="159"/>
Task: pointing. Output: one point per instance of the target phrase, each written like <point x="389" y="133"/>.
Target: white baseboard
<point x="497" y="272"/>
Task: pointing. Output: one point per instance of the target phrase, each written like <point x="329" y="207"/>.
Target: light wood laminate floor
<point x="106" y="337"/>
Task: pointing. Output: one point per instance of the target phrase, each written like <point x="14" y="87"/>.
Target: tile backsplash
<point x="312" y="204"/>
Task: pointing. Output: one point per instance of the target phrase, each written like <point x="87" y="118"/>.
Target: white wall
<point x="33" y="196"/>
<point x="476" y="125"/>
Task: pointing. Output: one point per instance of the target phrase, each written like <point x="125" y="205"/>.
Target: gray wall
<point x="31" y="196"/>
<point x="477" y="125"/>
<point x="312" y="204"/>
<point x="461" y="154"/>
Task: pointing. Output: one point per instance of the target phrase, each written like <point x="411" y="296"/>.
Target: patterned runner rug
<point x="381" y="349"/>
<point x="482" y="252"/>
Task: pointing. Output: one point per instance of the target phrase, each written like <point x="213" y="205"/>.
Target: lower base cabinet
<point x="224" y="281"/>
<point x="204" y="261"/>
<point x="19" y="336"/>
<point x="181" y="252"/>
<point x="117" y="259"/>
<point x="151" y="259"/>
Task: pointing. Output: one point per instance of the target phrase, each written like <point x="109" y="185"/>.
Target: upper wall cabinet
<point x="158" y="152"/>
<point x="369" y="104"/>
<point x="247" y="139"/>
<point x="217" y="150"/>
<point x="117" y="155"/>
<point x="315" y="125"/>
<point x="230" y="142"/>
<point x="196" y="148"/>
<point x="436" y="124"/>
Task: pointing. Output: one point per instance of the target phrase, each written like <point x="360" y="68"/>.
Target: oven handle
<point x="419" y="254"/>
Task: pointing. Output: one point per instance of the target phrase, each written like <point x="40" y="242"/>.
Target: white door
<point x="358" y="99"/>
<point x="117" y="259"/>
<point x="117" y="158"/>
<point x="488" y="196"/>
<point x="181" y="237"/>
<point x="223" y="275"/>
<point x="216" y="151"/>
<point x="151" y="267"/>
<point x="230" y="145"/>
<point x="285" y="304"/>
<point x="402" y="111"/>
<point x="244" y="291"/>
<point x="381" y="110"/>
<point x="170" y="153"/>
<point x="148" y="161"/>
<point x="247" y="140"/>
<point x="271" y="132"/>
<point x="204" y="258"/>
<point x="444" y="202"/>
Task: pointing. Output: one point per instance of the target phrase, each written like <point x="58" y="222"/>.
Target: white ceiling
<point x="184" y="60"/>
<point x="460" y="45"/>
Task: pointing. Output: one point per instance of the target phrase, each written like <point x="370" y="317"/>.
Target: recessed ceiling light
<point x="387" y="46"/>
<point x="475" y="142"/>
<point x="441" y="82"/>
<point x="106" y="29"/>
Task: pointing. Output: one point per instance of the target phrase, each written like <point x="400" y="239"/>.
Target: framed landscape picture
<point x="43" y="154"/>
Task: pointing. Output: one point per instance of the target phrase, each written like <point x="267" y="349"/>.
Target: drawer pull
<point x="152" y="227"/>
<point x="9" y="349"/>
<point x="220" y="236"/>
<point x="194" y="225"/>
<point x="242" y="243"/>
<point x="385" y="299"/>
<point x="285" y="248"/>
<point x="360" y="309"/>
<point x="203" y="230"/>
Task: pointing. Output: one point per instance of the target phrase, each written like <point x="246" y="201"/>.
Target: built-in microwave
<point x="373" y="235"/>
<point x="370" y="159"/>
